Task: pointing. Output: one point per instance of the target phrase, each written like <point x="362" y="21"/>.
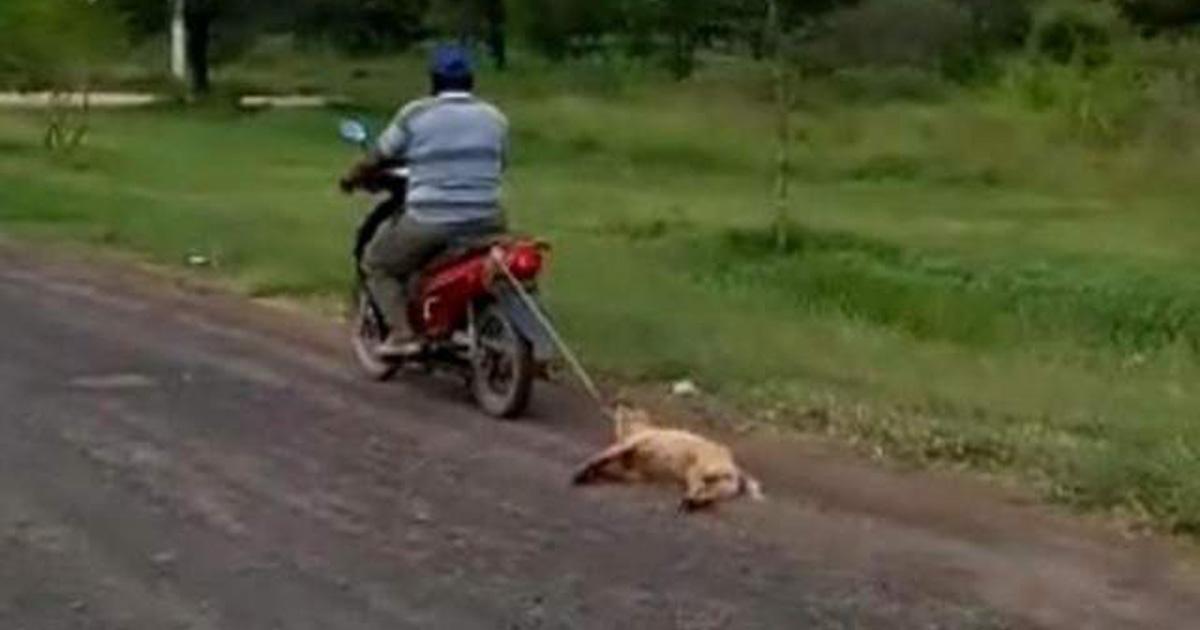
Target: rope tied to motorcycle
<point x="573" y="361"/>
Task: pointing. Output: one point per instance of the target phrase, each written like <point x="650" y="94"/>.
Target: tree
<point x="59" y="45"/>
<point x="228" y="23"/>
<point x="670" y="29"/>
<point x="683" y="22"/>
<point x="143" y="18"/>
<point x="566" y="28"/>
<point x="359" y="26"/>
<point x="678" y="29"/>
<point x="199" y="16"/>
<point x="495" y="14"/>
<point x="1161" y="15"/>
<point x="471" y="20"/>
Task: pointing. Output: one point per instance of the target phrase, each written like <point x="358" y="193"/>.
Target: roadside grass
<point x="964" y="283"/>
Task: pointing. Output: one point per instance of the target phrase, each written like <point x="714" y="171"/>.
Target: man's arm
<point x="392" y="144"/>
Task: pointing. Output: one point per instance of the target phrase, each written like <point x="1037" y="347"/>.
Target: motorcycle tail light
<point x="525" y="262"/>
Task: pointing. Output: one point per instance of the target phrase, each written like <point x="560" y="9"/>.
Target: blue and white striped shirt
<point x="455" y="146"/>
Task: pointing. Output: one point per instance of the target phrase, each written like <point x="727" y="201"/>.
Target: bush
<point x="890" y="33"/>
<point x="1108" y="85"/>
<point x="880" y="85"/>
<point x="1162" y="15"/>
<point x="1146" y="90"/>
<point x="363" y="26"/>
<point x="1168" y="81"/>
<point x="1070" y="32"/>
<point x="56" y="44"/>
<point x="144" y="18"/>
<point x="1002" y="24"/>
<point x="564" y="28"/>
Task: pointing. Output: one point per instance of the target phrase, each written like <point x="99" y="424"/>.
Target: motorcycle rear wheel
<point x="368" y="331"/>
<point x="502" y="370"/>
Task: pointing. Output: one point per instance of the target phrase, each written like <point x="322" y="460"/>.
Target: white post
<point x="179" y="65"/>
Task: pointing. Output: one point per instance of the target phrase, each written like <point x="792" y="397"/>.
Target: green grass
<point x="966" y="283"/>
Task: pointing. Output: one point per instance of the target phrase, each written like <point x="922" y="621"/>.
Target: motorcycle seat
<point x="463" y="248"/>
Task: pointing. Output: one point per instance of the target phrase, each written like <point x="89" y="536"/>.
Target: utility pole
<point x="179" y="63"/>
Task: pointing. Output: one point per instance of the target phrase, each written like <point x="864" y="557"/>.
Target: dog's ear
<point x="616" y="407"/>
<point x="619" y="401"/>
<point x="625" y="419"/>
<point x="630" y="420"/>
<point x="620" y="420"/>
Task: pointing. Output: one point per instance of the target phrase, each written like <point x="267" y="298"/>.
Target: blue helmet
<point x="451" y="61"/>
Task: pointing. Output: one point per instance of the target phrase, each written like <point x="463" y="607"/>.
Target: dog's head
<point x="721" y="482"/>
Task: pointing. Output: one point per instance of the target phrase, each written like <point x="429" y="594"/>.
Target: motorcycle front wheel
<point x="502" y="370"/>
<point x="367" y="332"/>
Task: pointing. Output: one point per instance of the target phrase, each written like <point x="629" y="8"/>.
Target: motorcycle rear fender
<point x="527" y="322"/>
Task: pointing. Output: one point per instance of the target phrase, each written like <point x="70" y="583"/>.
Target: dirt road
<point x="180" y="459"/>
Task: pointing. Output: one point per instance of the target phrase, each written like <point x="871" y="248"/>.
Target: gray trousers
<point x="401" y="248"/>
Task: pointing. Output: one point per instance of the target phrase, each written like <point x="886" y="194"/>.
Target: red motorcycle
<point x="473" y="307"/>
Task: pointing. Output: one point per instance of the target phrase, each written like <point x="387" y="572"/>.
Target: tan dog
<point x="646" y="453"/>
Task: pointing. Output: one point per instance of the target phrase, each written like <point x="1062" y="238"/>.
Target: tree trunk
<point x="497" y="39"/>
<point x="682" y="61"/>
<point x="757" y="44"/>
<point x="784" y="124"/>
<point x="199" y="31"/>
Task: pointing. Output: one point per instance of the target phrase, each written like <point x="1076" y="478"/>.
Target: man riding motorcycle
<point x="455" y="147"/>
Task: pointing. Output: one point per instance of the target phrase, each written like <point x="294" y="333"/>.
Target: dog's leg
<point x="694" y="499"/>
<point x="750" y="487"/>
<point x="597" y="466"/>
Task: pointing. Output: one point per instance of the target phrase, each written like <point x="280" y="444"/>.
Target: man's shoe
<point x="399" y="348"/>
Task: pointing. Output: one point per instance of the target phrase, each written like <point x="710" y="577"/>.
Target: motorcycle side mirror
<point x="354" y="132"/>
